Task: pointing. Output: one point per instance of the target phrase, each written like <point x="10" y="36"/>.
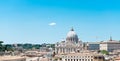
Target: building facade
<point x="70" y="45"/>
<point x="93" y="46"/>
<point x="83" y="56"/>
<point x="110" y="45"/>
<point x="12" y="58"/>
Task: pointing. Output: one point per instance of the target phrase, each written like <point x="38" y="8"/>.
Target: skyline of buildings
<point x="70" y="49"/>
<point x="110" y="37"/>
<point x="105" y="40"/>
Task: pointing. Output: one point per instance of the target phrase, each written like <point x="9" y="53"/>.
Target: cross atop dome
<point x="72" y="29"/>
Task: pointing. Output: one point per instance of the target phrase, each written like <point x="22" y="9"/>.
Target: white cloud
<point x="52" y="24"/>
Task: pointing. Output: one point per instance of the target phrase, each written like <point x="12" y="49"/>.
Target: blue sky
<point x="48" y="21"/>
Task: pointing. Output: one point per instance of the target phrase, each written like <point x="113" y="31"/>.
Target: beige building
<point x="110" y="45"/>
<point x="12" y="58"/>
<point x="32" y="58"/>
<point x="81" y="56"/>
<point x="117" y="59"/>
<point x="70" y="45"/>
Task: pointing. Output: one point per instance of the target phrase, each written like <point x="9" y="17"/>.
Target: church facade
<point x="72" y="44"/>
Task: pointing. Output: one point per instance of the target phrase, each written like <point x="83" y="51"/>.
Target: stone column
<point x="70" y="49"/>
<point x="63" y="50"/>
<point x="58" y="50"/>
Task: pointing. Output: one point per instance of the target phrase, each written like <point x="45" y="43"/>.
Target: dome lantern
<point x="72" y="29"/>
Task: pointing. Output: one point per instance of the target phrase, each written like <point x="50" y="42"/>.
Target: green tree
<point x="27" y="46"/>
<point x="1" y="47"/>
<point x="1" y="43"/>
<point x="53" y="45"/>
<point x="36" y="46"/>
<point x="8" y="47"/>
<point x="104" y="52"/>
<point x="19" y="45"/>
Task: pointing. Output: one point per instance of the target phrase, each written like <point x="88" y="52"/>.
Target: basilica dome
<point x="72" y="36"/>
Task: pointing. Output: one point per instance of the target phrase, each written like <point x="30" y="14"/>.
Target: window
<point x="88" y="56"/>
<point x="95" y="57"/>
<point x="68" y="59"/>
<point x="65" y="59"/>
<point x="65" y="56"/>
<point x="74" y="59"/>
<point x="100" y="57"/>
<point x="77" y="59"/>
<point x="88" y="59"/>
<point x="91" y="56"/>
<point x="68" y="56"/>
<point x="77" y="56"/>
<point x="91" y="59"/>
<point x="82" y="56"/>
<point x="82" y="59"/>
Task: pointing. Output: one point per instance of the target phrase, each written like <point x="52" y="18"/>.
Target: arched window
<point x="79" y="59"/>
<point x="65" y="59"/>
<point x="68" y="59"/>
<point x="74" y="59"/>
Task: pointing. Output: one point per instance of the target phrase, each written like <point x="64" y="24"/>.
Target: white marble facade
<point x="72" y="44"/>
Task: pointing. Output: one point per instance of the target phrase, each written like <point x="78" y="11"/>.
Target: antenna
<point x="110" y="38"/>
<point x="96" y="38"/>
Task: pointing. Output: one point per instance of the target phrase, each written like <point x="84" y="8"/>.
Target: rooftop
<point x="11" y="58"/>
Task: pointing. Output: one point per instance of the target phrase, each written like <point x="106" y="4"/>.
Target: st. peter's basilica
<point x="72" y="44"/>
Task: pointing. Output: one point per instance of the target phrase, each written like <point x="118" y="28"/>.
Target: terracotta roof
<point x="44" y="59"/>
<point x="113" y="41"/>
<point x="117" y="58"/>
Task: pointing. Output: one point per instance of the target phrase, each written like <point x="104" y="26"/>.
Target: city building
<point x="70" y="45"/>
<point x="110" y="45"/>
<point x="117" y="59"/>
<point x="12" y="58"/>
<point x="44" y="59"/>
<point x="32" y="59"/>
<point x="84" y="55"/>
<point x="93" y="45"/>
